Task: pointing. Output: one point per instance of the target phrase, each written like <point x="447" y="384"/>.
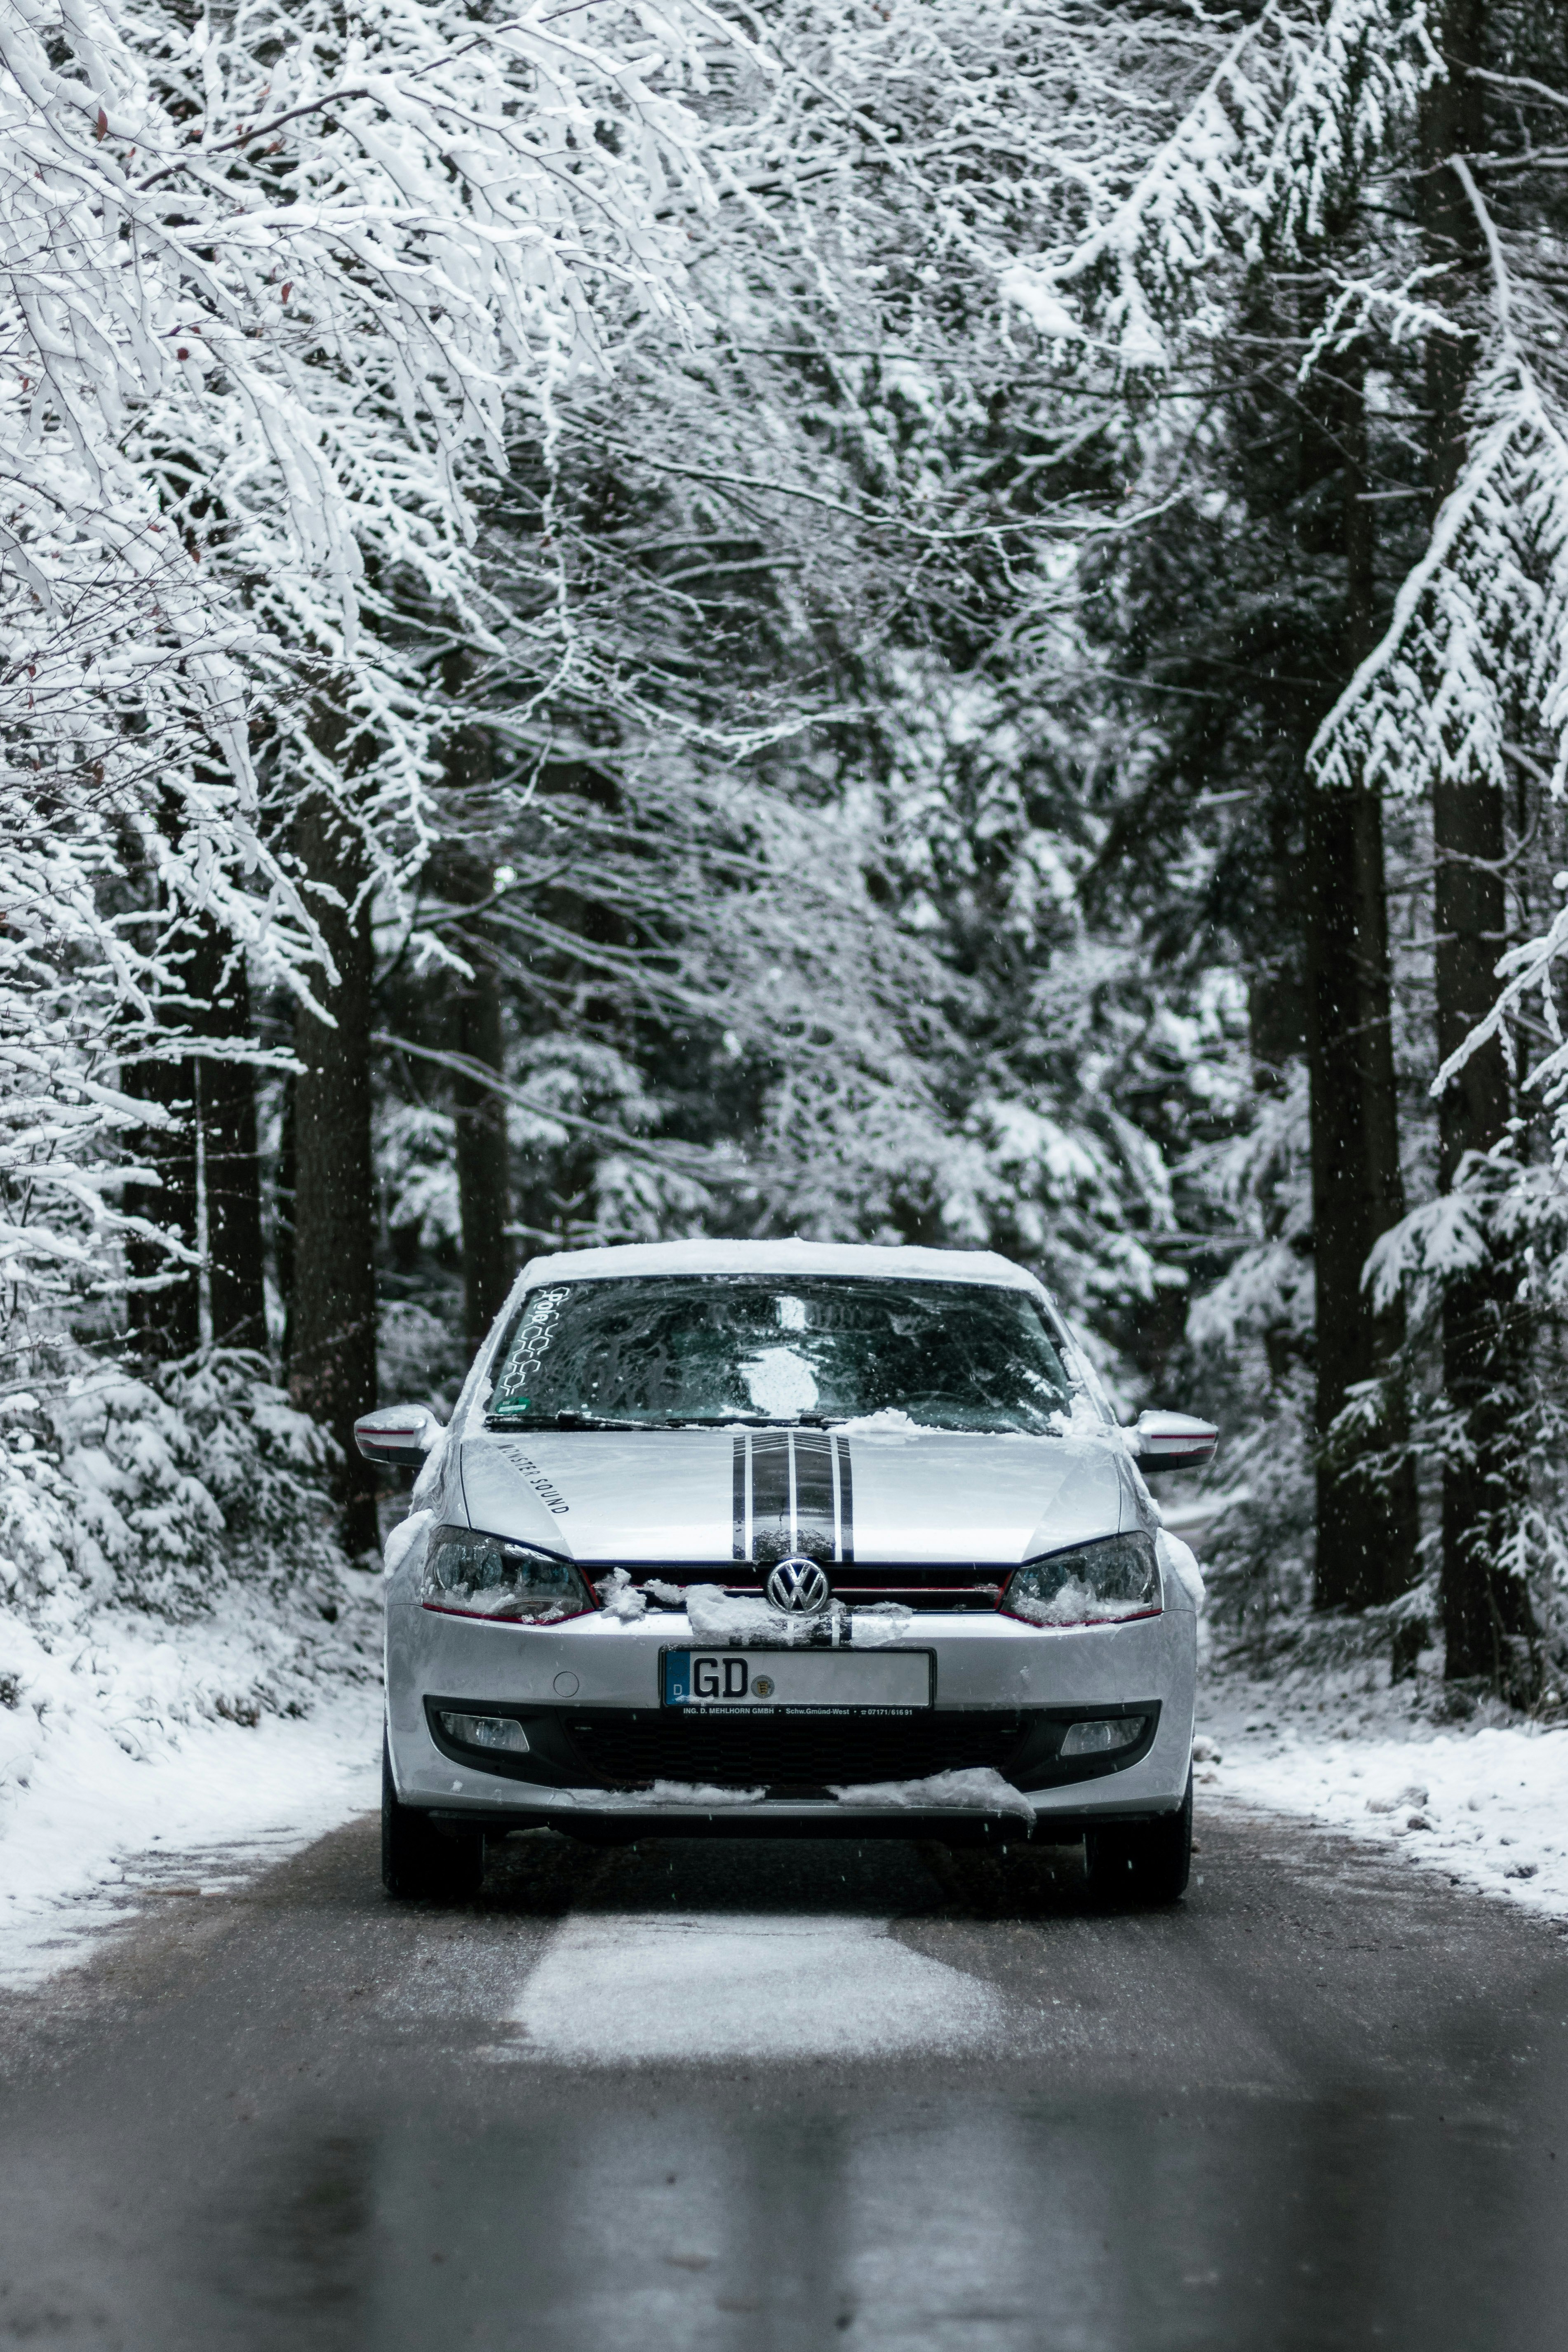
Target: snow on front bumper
<point x="594" y="1666"/>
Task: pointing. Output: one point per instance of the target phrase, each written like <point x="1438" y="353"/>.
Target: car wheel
<point x="1142" y="1862"/>
<point x="419" y="1859"/>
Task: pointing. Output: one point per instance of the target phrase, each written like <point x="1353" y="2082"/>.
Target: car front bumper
<point x="595" y="1670"/>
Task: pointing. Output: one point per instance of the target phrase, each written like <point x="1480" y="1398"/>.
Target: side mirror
<point x="400" y="1436"/>
<point x="1172" y="1440"/>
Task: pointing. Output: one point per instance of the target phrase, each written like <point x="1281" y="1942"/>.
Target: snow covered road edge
<point x="1487" y="1809"/>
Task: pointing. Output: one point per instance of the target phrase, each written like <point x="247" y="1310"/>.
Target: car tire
<point x="419" y="1861"/>
<point x="1143" y="1862"/>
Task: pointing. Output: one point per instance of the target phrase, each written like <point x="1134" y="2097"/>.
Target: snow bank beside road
<point x="188" y="1666"/>
<point x="1488" y="1808"/>
<point x="103" y="1837"/>
<point x="117" y="1784"/>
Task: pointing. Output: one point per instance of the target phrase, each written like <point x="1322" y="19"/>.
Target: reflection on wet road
<point x="786" y="2097"/>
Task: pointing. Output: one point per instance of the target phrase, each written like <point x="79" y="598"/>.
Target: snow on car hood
<point x="893" y="1494"/>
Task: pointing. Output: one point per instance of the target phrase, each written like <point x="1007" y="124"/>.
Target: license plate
<point x="810" y="1682"/>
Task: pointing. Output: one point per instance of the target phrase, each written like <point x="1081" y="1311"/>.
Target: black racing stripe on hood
<point x="845" y="1499"/>
<point x="813" y="1529"/>
<point x="739" y="1489"/>
<point x="791" y="1494"/>
<point x="772" y="1534"/>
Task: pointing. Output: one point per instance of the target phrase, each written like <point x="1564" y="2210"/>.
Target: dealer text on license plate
<point x="796" y="1680"/>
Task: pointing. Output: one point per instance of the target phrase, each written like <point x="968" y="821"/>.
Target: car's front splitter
<point x="599" y="1822"/>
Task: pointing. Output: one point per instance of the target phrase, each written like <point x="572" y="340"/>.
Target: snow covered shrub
<point x="202" y="1498"/>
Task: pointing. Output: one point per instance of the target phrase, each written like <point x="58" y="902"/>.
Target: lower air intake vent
<point x="790" y="1754"/>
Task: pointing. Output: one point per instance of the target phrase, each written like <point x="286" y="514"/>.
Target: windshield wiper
<point x="752" y="1420"/>
<point x="591" y="1420"/>
<point x="547" y="1422"/>
<point x="562" y="1421"/>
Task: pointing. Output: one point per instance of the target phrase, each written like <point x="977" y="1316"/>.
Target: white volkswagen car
<point x="760" y="1537"/>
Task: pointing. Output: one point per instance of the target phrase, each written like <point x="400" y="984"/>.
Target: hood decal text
<point x="551" y="1496"/>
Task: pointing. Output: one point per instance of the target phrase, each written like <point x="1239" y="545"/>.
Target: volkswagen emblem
<point x="800" y="1586"/>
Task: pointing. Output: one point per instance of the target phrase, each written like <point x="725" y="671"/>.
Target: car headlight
<point x="473" y="1575"/>
<point x="1091" y="1584"/>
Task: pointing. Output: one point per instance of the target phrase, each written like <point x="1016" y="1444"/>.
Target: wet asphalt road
<point x="1325" y="2103"/>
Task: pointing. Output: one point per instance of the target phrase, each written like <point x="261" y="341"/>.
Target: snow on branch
<point x="1477" y="643"/>
<point x="270" y="280"/>
<point x="1295" y="111"/>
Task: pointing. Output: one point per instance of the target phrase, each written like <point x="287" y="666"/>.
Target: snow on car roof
<point x="778" y="1257"/>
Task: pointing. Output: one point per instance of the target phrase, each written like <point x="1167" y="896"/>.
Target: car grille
<point x="791" y="1754"/>
<point x="963" y="1584"/>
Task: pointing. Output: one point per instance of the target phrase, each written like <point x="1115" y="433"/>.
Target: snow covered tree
<point x="1463" y="699"/>
<point x="1203" y="278"/>
<point x="733" y="581"/>
<point x="704" y="585"/>
<point x="274" y="279"/>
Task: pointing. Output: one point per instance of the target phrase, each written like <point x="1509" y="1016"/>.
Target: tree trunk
<point x="283" y="1222"/>
<point x="224" y="1093"/>
<point x="233" y="1204"/>
<point x="484" y="1184"/>
<point x="163" y="1325"/>
<point x="1483" y="1608"/>
<point x="331" y="1363"/>
<point x="1366" y="1531"/>
<point x="208" y="1166"/>
<point x="483" y="1188"/>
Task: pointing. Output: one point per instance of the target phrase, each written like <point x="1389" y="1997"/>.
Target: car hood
<point x="699" y="1496"/>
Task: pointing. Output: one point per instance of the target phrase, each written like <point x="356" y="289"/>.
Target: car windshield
<point x="656" y="1352"/>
